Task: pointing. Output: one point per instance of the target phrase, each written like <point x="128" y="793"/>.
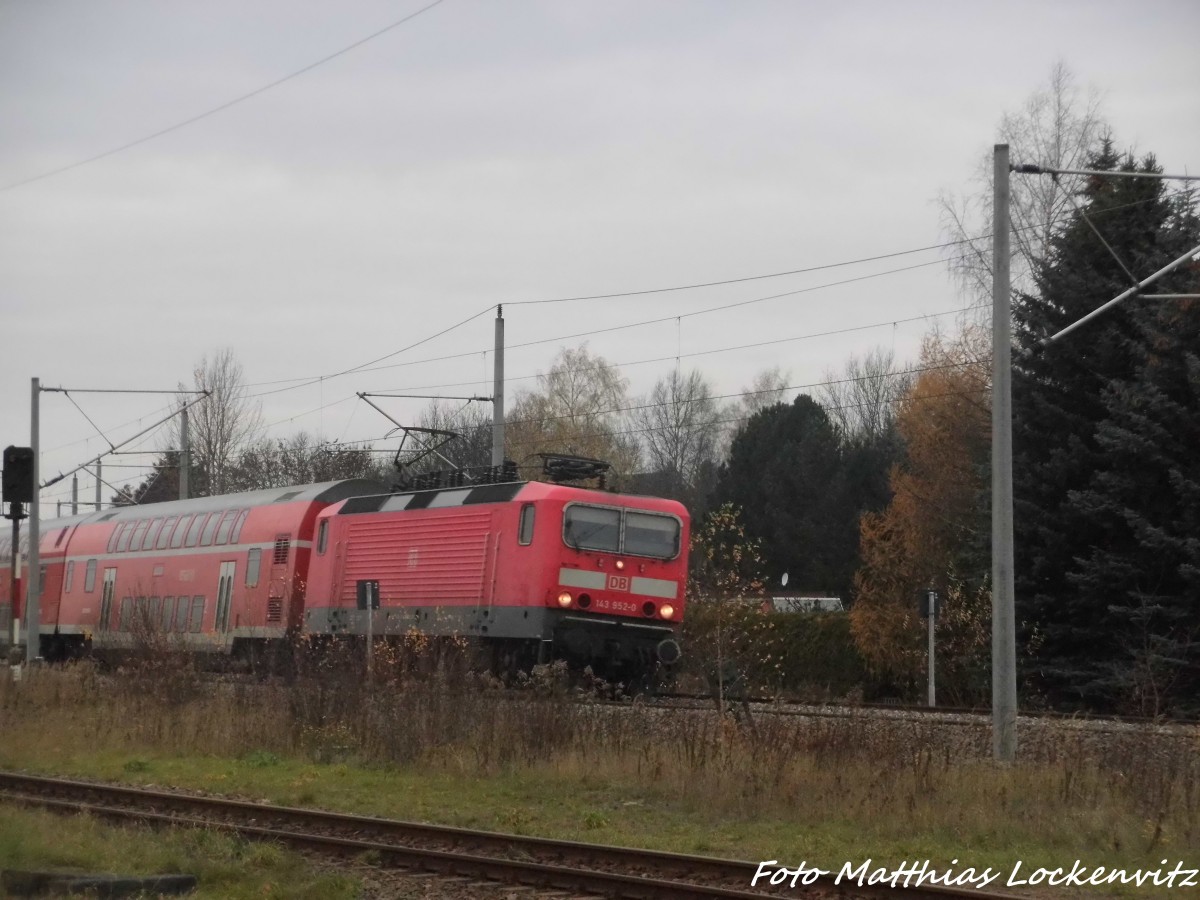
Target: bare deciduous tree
<point x="862" y="400"/>
<point x="302" y="459"/>
<point x="680" y="427"/>
<point x="768" y="388"/>
<point x="1059" y="126"/>
<point x="222" y="425"/>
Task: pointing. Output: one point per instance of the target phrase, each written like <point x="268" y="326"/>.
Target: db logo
<point x="618" y="582"/>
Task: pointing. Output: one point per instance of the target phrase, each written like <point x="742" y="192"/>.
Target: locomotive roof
<point x="469" y="495"/>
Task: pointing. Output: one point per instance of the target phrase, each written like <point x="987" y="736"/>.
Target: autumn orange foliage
<point x="934" y="533"/>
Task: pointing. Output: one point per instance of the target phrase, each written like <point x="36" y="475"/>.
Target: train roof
<point x="325" y="492"/>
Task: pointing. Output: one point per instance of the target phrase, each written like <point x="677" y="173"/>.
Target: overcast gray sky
<point x="497" y="152"/>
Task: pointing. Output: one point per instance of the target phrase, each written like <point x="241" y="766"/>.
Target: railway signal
<point x="18" y="475"/>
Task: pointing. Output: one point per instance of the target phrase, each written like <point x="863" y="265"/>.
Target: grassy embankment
<point x="825" y="791"/>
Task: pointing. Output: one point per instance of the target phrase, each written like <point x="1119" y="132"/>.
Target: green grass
<point x="227" y="868"/>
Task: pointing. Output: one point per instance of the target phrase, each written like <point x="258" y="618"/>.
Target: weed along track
<point x="453" y="853"/>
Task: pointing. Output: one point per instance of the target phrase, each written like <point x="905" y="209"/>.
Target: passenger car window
<point x="139" y="535"/>
<point x="193" y="535"/>
<point x="152" y="534"/>
<point x="180" y="531"/>
<point x="115" y="536"/>
<point x="209" y="528"/>
<point x="253" y="563"/>
<point x="226" y="526"/>
<point x="237" y="528"/>
<point x="165" y="535"/>
<point x="197" y="622"/>
<point x="126" y="534"/>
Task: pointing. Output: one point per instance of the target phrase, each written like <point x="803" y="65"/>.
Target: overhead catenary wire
<point x="363" y="367"/>
<point x="744" y="279"/>
<point x="313" y="379"/>
<point x="711" y="351"/>
<point x="640" y="324"/>
<point x="371" y="367"/>
<point x="222" y="107"/>
<point x="729" y="349"/>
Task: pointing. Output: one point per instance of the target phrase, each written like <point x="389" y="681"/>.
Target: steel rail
<point x="448" y="864"/>
<point x="569" y="865"/>
<point x="834" y="708"/>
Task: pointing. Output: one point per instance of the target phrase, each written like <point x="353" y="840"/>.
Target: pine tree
<point x="1103" y="423"/>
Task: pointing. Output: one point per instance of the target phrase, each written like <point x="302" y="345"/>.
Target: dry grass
<point x="789" y="788"/>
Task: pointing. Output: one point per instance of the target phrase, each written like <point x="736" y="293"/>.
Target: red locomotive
<point x="532" y="570"/>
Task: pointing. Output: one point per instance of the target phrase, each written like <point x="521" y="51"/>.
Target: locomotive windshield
<point x="650" y="535"/>
<point x="592" y="528"/>
<point x="612" y="530"/>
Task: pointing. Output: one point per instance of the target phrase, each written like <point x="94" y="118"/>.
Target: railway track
<point x="453" y="853"/>
<point x="832" y="709"/>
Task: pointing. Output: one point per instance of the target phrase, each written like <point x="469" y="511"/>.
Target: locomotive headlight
<point x="620" y="563"/>
<point x="666" y="610"/>
<point x="564" y="599"/>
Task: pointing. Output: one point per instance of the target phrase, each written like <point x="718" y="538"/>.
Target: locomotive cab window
<point x="592" y="528"/>
<point x="611" y="530"/>
<point x="70" y="576"/>
<point x="525" y="531"/>
<point x="89" y="577"/>
<point x="651" y="535"/>
<point x="322" y="536"/>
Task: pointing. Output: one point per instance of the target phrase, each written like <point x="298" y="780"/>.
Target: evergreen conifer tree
<point x="1105" y="446"/>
